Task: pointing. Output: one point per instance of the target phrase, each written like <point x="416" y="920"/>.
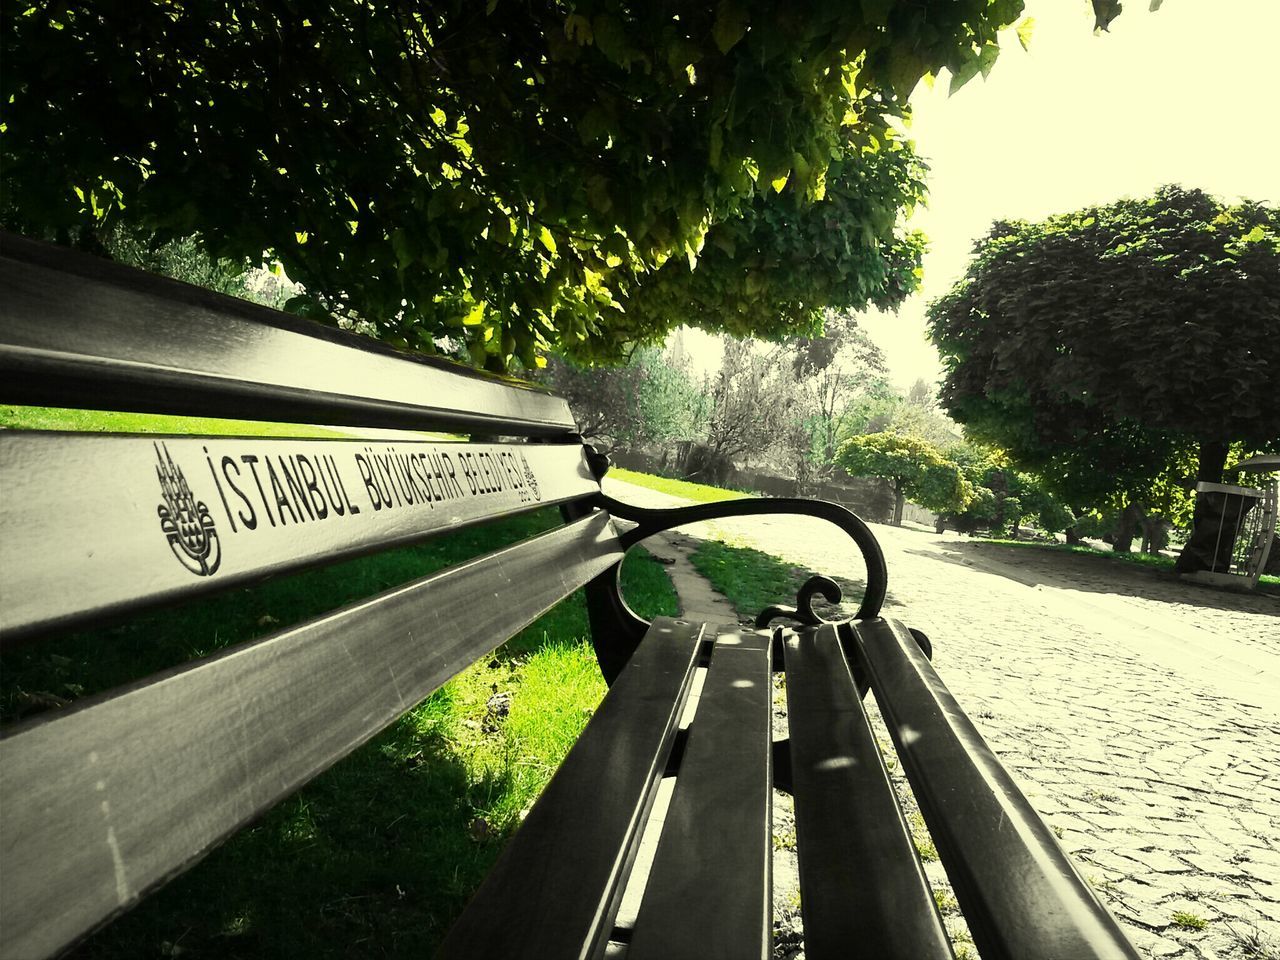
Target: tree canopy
<point x="913" y="467"/>
<point x="1102" y="348"/>
<point x="512" y="176"/>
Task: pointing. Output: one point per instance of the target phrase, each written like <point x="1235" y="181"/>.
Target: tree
<point x="1101" y="348"/>
<point x="650" y="399"/>
<point x="822" y="378"/>
<point x="511" y="176"/>
<point x="913" y="468"/>
<point x="750" y="407"/>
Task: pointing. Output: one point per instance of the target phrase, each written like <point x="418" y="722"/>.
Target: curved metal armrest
<point x="650" y="521"/>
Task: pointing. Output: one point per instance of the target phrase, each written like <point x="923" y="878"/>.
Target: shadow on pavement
<point x="1094" y="574"/>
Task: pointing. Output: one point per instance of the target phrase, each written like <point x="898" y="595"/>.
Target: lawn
<point x="105" y="421"/>
<point x="377" y="856"/>
<point x="677" y="488"/>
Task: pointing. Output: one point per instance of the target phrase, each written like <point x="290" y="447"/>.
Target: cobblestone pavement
<point x="1140" y="715"/>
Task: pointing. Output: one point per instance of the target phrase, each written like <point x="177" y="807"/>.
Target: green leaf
<point x="730" y="25"/>
<point x="966" y="72"/>
<point x="717" y="145"/>
<point x="905" y="71"/>
<point x="987" y="59"/>
<point x="1025" y="29"/>
<point x="547" y="240"/>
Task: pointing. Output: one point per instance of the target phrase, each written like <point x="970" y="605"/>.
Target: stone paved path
<point x="1141" y="716"/>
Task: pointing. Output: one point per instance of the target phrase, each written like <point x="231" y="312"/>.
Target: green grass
<point x="1188" y="921"/>
<point x="104" y="421"/>
<point x="677" y="488"/>
<point x="753" y="580"/>
<point x="377" y="856"/>
<point x="1151" y="561"/>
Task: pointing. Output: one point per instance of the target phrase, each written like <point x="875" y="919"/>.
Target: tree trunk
<point x="1015" y="529"/>
<point x="898" y="498"/>
<point x="1205" y="545"/>
<point x="1155" y="534"/>
<point x="940" y="524"/>
<point x="1072" y="539"/>
<point x="1129" y="518"/>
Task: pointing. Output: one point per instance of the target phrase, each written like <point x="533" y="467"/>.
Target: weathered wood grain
<point x="709" y="893"/>
<point x="852" y="841"/>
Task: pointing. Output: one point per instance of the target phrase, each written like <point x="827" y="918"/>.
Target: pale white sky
<point x="1188" y="94"/>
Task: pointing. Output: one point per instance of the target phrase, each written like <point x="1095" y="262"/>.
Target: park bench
<point x="108" y="798"/>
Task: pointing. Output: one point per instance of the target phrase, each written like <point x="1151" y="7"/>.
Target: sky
<point x="1189" y="94"/>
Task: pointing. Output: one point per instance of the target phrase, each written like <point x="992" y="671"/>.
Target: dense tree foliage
<point x="1106" y="348"/>
<point x="507" y="175"/>
<point x="1003" y="497"/>
<point x="913" y="467"/>
<point x="650" y="399"/>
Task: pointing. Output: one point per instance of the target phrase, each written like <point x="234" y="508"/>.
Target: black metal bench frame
<point x="96" y="800"/>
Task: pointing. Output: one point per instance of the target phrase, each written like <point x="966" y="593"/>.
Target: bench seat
<point x="706" y="888"/>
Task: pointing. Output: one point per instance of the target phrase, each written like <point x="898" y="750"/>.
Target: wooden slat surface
<point x="557" y="885"/>
<point x="114" y="796"/>
<point x="1021" y="896"/>
<point x="709" y="893"/>
<point x="81" y="332"/>
<point x="863" y="890"/>
<point x="82" y="509"/>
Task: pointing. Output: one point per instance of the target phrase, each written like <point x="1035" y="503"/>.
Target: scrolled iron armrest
<point x="650" y="521"/>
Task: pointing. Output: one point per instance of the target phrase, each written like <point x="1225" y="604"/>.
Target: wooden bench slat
<point x="709" y="892"/>
<point x="1020" y="893"/>
<point x="83" y="509"/>
<point x="558" y="884"/>
<point x="118" y="794"/>
<point x="863" y="890"/>
<point x="83" y="332"/>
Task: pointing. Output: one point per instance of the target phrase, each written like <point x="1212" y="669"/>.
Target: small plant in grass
<point x="1188" y="921"/>
<point x="1057" y="831"/>
<point x="785" y="840"/>
<point x="925" y="849"/>
<point x="1253" y="945"/>
<point x="1093" y="793"/>
<point x="945" y="902"/>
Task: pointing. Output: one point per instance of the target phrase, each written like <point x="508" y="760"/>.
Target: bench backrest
<point x="110" y="797"/>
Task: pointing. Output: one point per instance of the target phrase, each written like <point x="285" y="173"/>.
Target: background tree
<point x="509" y="176"/>
<point x="913" y="468"/>
<point x="650" y="399"/>
<point x="1100" y="347"/>
<point x="822" y="378"/>
<point x="750" y="406"/>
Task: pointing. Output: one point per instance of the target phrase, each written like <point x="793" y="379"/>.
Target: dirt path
<point x="1141" y="716"/>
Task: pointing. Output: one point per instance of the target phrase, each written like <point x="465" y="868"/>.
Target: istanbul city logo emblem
<point x="529" y="478"/>
<point x="184" y="520"/>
